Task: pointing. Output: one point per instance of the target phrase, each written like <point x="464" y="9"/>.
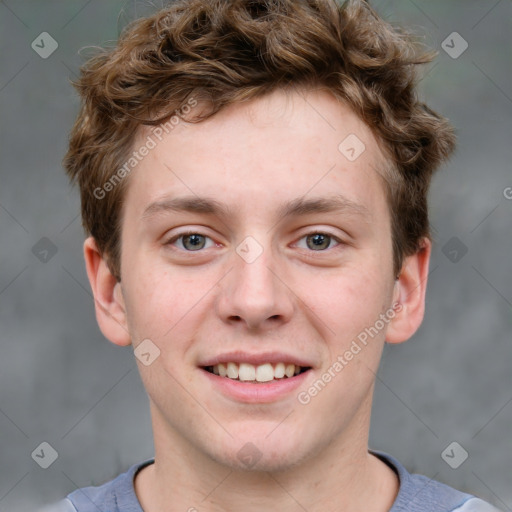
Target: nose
<point x="254" y="292"/>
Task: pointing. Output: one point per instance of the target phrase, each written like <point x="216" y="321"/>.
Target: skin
<point x="293" y="298"/>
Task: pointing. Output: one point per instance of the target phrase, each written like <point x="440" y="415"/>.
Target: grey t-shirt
<point x="417" y="494"/>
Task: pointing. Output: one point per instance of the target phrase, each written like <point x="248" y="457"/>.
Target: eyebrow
<point x="296" y="207"/>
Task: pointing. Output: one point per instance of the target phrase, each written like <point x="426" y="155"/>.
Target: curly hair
<point x="227" y="52"/>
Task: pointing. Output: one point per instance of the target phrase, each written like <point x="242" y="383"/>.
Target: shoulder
<point x="62" y="506"/>
<point x="117" y="495"/>
<point x="476" y="505"/>
<point x="418" y="493"/>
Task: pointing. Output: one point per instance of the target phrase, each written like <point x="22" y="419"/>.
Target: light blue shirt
<point x="417" y="493"/>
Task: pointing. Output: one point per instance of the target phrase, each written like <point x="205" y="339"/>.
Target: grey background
<point x="63" y="383"/>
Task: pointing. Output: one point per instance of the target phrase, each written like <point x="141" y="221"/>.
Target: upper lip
<point x="256" y="359"/>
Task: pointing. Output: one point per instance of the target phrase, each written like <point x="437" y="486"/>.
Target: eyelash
<point x="188" y="233"/>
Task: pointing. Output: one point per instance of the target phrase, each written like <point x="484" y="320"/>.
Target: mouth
<point x="257" y="374"/>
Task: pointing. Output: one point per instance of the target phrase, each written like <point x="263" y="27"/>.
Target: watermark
<point x="156" y="136"/>
<point x="507" y="193"/>
<point x="249" y="455"/>
<point x="45" y="455"/>
<point x="361" y="341"/>
<point x="454" y="249"/>
<point x="44" y="250"/>
<point x="454" y="45"/>
<point x="44" y="45"/>
<point x="454" y="455"/>
<point x="351" y="147"/>
<point x="146" y="352"/>
<point x="249" y="249"/>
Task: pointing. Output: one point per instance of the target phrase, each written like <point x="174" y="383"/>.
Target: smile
<point x="247" y="372"/>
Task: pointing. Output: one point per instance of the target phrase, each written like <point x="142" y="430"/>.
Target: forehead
<point x="282" y="146"/>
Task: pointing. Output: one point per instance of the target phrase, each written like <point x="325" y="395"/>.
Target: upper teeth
<point x="261" y="373"/>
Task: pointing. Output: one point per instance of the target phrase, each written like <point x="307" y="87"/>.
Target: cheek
<point x="350" y="311"/>
<point x="162" y="302"/>
<point x="350" y="301"/>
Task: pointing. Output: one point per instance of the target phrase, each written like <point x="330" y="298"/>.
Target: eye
<point x="319" y="241"/>
<point x="190" y="241"/>
<point x="193" y="241"/>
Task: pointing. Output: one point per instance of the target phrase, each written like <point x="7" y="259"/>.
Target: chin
<point x="257" y="454"/>
<point x="262" y="463"/>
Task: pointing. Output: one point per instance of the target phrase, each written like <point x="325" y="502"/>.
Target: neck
<point x="341" y="476"/>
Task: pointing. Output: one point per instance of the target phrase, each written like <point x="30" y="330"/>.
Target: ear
<point x="108" y="296"/>
<point x="409" y="293"/>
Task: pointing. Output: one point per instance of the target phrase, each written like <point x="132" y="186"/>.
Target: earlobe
<point x="108" y="297"/>
<point x="409" y="292"/>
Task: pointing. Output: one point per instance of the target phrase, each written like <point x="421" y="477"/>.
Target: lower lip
<point x="250" y="392"/>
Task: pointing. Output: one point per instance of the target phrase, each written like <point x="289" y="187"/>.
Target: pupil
<point x="319" y="241"/>
<point x="194" y="240"/>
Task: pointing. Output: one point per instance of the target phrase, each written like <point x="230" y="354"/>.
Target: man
<point x="254" y="179"/>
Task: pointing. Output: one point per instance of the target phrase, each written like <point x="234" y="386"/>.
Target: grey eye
<point x="318" y="241"/>
<point x="193" y="242"/>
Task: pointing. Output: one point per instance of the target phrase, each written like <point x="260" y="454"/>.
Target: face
<point x="252" y="239"/>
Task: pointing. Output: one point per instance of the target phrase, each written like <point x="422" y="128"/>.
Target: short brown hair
<point x="230" y="51"/>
